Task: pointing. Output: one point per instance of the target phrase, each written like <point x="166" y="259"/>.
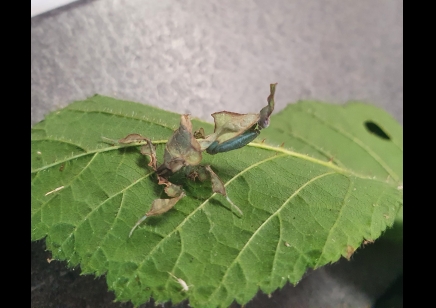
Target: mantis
<point x="184" y="151"/>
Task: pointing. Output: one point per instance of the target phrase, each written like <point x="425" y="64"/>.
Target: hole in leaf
<point x="376" y="130"/>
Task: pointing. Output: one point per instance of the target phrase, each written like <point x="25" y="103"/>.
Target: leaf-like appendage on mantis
<point x="218" y="187"/>
<point x="232" y="131"/>
<point x="182" y="149"/>
<point x="160" y="206"/>
<point x="266" y="111"/>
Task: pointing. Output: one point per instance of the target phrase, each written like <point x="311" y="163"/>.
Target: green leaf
<point x="335" y="182"/>
<point x="340" y="134"/>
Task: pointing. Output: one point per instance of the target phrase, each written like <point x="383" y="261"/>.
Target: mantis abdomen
<point x="233" y="144"/>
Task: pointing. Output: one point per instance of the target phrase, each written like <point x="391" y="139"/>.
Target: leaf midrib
<point x="92" y="152"/>
<point x="252" y="144"/>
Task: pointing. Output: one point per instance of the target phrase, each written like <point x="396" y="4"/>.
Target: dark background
<point x="199" y="57"/>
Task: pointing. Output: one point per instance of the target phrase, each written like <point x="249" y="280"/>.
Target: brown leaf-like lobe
<point x="160" y="206"/>
<point x="182" y="148"/>
<point x="229" y="125"/>
<point x="266" y="111"/>
<point x="150" y="150"/>
<point x="132" y="138"/>
<point x="217" y="184"/>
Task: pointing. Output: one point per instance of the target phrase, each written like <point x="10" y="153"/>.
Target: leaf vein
<point x="347" y="194"/>
<point x="50" y="138"/>
<point x="264" y="224"/>
<point x="176" y="229"/>
<point x="374" y="155"/>
<point x="317" y="148"/>
<point x="121" y="115"/>
<point x="66" y="185"/>
<point x="100" y="242"/>
<point x="277" y="248"/>
<point x="101" y="150"/>
<point x="106" y="200"/>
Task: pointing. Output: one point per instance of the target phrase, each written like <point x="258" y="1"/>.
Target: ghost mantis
<point x="184" y="151"/>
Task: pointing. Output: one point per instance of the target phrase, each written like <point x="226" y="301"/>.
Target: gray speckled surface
<point x="195" y="56"/>
<point x="203" y="56"/>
